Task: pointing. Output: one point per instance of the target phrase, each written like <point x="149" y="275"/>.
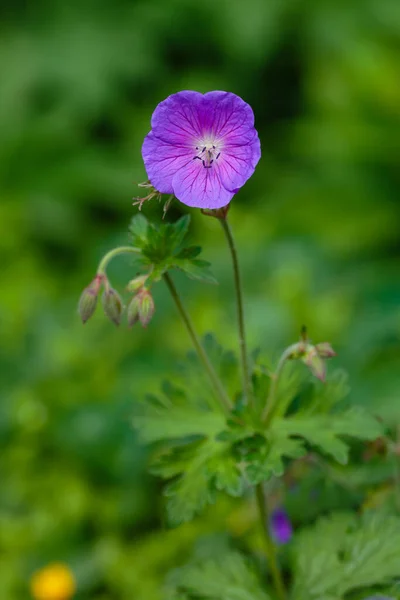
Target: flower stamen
<point x="207" y="155"/>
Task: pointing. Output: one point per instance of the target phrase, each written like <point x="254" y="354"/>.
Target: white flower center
<point x="208" y="153"/>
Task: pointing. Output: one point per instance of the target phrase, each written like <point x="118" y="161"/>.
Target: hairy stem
<point x="269" y="544"/>
<point x="271" y="399"/>
<point x="246" y="379"/>
<point x="217" y="385"/>
<point x="115" y="252"/>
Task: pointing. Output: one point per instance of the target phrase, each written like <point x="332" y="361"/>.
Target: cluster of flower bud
<point x="140" y="308"/>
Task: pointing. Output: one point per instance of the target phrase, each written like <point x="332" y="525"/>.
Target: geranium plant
<point x="230" y="424"/>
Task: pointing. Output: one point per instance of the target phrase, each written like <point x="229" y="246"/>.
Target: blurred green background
<point x="317" y="227"/>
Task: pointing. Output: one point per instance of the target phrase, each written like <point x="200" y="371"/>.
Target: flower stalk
<point x="101" y="270"/>
<point x="216" y="383"/>
<point x="269" y="544"/>
<point x="246" y="378"/>
<point x="271" y="399"/>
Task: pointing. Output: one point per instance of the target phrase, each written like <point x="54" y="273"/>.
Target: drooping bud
<point x="135" y="284"/>
<point x="314" y="358"/>
<point x="132" y="312"/>
<point x="88" y="300"/>
<point x="112" y="305"/>
<point x="141" y="308"/>
<point x="315" y="363"/>
<point x="325" y="350"/>
<point x="146" y="310"/>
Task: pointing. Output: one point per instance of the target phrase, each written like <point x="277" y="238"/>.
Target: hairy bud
<point x="315" y="363"/>
<point x="325" y="350"/>
<point x="141" y="308"/>
<point x="112" y="305"/>
<point x="315" y="356"/>
<point x="135" y="284"/>
<point x="88" y="300"/>
<point x="146" y="310"/>
<point x="132" y="312"/>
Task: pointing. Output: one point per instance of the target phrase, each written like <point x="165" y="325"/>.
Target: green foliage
<point x="201" y="450"/>
<point x="316" y="419"/>
<point x="162" y="248"/>
<point x="189" y="423"/>
<point x="344" y="553"/>
<point x="227" y="577"/>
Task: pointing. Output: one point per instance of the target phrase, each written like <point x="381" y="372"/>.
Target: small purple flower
<point x="201" y="148"/>
<point x="280" y="526"/>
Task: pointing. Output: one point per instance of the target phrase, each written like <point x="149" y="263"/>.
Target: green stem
<point x="115" y="252"/>
<point x="271" y="399"/>
<point x="269" y="544"/>
<point x="246" y="379"/>
<point x="218" y="387"/>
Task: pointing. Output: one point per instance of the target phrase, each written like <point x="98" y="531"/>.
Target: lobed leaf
<point x="352" y="554"/>
<point x="228" y="577"/>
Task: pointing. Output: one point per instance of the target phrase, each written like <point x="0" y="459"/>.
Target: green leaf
<point x="171" y="422"/>
<point x="201" y="469"/>
<point x="162" y="250"/>
<point x="179" y="231"/>
<point x="189" y="252"/>
<point x="195" y="269"/>
<point x="324" y="431"/>
<point x="353" y="553"/>
<point x="139" y="230"/>
<point x="263" y="465"/>
<point x="226" y="577"/>
<point x="226" y="473"/>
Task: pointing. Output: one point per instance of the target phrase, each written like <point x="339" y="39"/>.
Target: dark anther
<point x="204" y="163"/>
<point x="214" y="147"/>
<point x="211" y="161"/>
<point x="204" y="148"/>
<point x="218" y="155"/>
<point x="194" y="157"/>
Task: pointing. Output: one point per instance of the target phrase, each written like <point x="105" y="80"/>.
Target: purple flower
<point x="280" y="525"/>
<point x="201" y="148"/>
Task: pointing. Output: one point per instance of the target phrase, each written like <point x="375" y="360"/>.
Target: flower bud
<point x="314" y="357"/>
<point x="141" y="308"/>
<point x="325" y="350"/>
<point x="112" y="305"/>
<point x="132" y="312"/>
<point x="146" y="309"/>
<point x="88" y="300"/>
<point x="135" y="284"/>
<point x="315" y="363"/>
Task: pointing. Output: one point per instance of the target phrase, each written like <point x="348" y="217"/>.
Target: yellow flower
<point x="54" y="582"/>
